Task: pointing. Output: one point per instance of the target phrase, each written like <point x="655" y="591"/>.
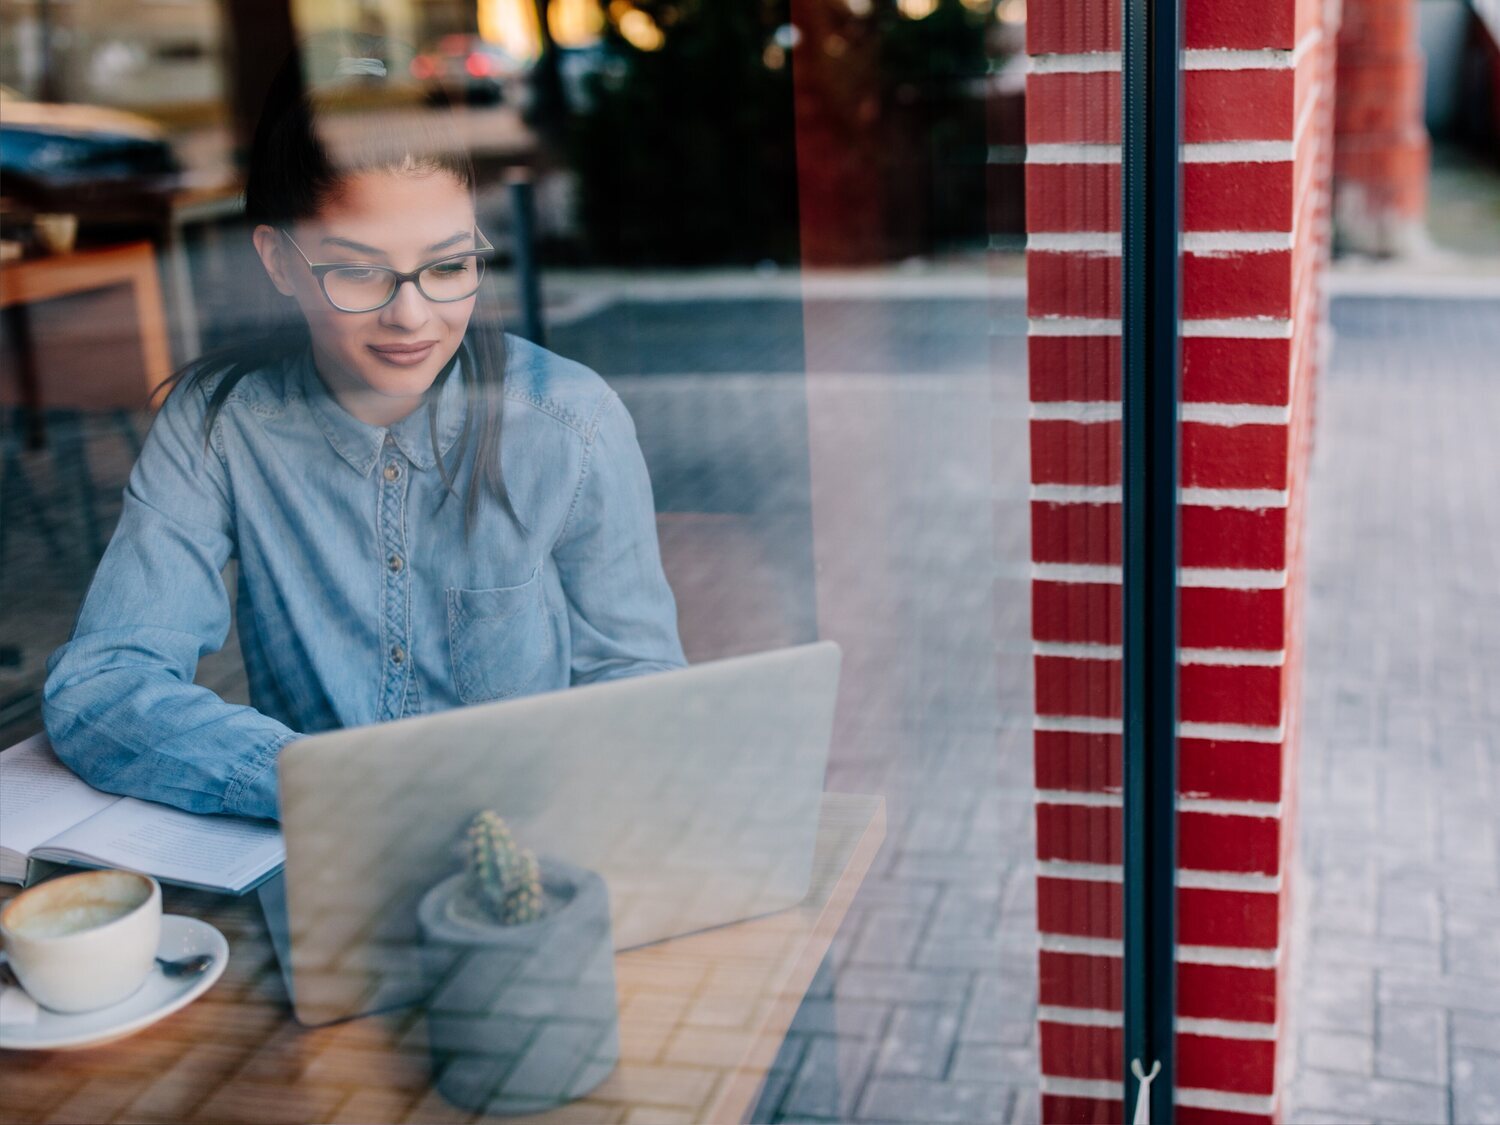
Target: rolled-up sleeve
<point x="622" y="615"/>
<point x="119" y="704"/>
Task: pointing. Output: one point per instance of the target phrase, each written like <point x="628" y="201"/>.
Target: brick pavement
<point x="926" y="1008"/>
<point x="1399" y="1015"/>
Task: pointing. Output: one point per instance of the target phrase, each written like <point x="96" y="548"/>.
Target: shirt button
<point x="392" y="471"/>
<point x="395" y="564"/>
<point x="398" y="654"/>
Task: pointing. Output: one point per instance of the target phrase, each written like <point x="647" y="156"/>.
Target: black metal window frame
<point x="1151" y="285"/>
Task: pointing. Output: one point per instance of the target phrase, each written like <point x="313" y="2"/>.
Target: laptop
<point x="694" y="793"/>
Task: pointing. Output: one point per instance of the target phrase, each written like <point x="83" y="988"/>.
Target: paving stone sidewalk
<point x="1399" y="1016"/>
<point x="925" y="1010"/>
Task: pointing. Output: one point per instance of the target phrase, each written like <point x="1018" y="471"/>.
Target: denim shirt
<point x="360" y="599"/>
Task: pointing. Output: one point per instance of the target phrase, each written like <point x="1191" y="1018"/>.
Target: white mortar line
<point x="1069" y="651"/>
<point x="1238" y="328"/>
<point x="1077" y="153"/>
<point x="1101" y="242"/>
<point x="1252" y="499"/>
<point x="1202" y="413"/>
<point x="1080" y="1017"/>
<point x="1231" y="956"/>
<point x="1232" y="732"/>
<point x="1072" y="326"/>
<point x="1083" y="62"/>
<point x="1199" y="242"/>
<point x="1234" y="657"/>
<point x="1186" y="877"/>
<point x="1076" y="573"/>
<point x="1228" y="881"/>
<point x="1077" y="724"/>
<point x="1083" y="946"/>
<point x="1076" y="493"/>
<point x="1081" y="872"/>
<point x="1081" y="798"/>
<point x="1195" y="577"/>
<point x="1258" y="810"/>
<point x="1226" y="1029"/>
<point x="1231" y="578"/>
<point x="1217" y="732"/>
<point x="1230" y="657"/>
<point x="1199" y="152"/>
<point x="1235" y="957"/>
<point x="1235" y="414"/>
<point x="1196" y="58"/>
<point x="1238" y="241"/>
<point x="1240" y="152"/>
<point x="1099" y="410"/>
<point x="1213" y="806"/>
<point x="1249" y="499"/>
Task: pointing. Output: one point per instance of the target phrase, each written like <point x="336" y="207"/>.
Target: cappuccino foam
<point x="73" y="919"/>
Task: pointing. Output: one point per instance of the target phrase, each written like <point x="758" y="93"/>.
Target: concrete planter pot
<point x="521" y="1018"/>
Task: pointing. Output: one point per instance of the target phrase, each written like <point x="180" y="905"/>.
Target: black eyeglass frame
<point x="320" y="271"/>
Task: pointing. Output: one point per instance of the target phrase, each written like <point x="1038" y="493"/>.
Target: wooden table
<point x="701" y="1019"/>
<point x="63" y="275"/>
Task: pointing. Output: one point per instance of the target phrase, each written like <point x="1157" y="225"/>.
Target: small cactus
<point x="503" y="878"/>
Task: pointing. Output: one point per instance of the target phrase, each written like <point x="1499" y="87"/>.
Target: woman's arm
<point x="620" y="609"/>
<point x="120" y="704"/>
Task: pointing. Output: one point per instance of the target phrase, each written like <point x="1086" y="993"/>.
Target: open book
<point x="49" y="815"/>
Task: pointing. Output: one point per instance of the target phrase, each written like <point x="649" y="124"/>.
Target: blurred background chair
<point x="86" y="343"/>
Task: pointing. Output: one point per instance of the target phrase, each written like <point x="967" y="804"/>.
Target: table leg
<point x="17" y="497"/>
<point x="18" y="328"/>
<point x="179" y="271"/>
<point x="156" y="349"/>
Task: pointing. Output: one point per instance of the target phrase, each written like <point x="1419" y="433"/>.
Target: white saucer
<point x="157" y="997"/>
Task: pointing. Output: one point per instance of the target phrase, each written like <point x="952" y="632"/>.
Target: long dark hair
<point x="297" y="163"/>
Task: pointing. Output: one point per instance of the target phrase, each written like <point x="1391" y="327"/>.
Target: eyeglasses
<point x="365" y="288"/>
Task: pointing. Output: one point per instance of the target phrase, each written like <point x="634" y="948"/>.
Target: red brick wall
<point x="1381" y="150"/>
<point x="1258" y="123"/>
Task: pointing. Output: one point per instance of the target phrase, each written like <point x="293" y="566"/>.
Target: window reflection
<point x="782" y="243"/>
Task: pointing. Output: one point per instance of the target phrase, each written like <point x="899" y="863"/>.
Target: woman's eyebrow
<point x="350" y="244"/>
<point x="451" y="240"/>
<point x="361" y="248"/>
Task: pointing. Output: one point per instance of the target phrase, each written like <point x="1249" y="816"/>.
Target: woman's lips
<point x="403" y="355"/>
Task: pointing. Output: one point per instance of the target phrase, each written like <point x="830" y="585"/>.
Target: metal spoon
<point x="186" y="967"/>
<point x="172" y="970"/>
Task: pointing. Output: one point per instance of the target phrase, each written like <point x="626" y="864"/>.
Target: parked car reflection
<point x="467" y="69"/>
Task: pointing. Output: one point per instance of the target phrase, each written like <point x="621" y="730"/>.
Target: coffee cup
<point x="85" y="941"/>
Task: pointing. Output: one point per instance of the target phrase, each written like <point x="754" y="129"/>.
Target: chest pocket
<point x="500" y="639"/>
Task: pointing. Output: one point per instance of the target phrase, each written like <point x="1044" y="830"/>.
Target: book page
<point x="39" y="797"/>
<point x="223" y="852"/>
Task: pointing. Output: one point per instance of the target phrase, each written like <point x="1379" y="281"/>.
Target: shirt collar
<point x="360" y="444"/>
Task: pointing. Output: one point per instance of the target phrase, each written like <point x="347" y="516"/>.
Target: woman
<point x="400" y="549"/>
